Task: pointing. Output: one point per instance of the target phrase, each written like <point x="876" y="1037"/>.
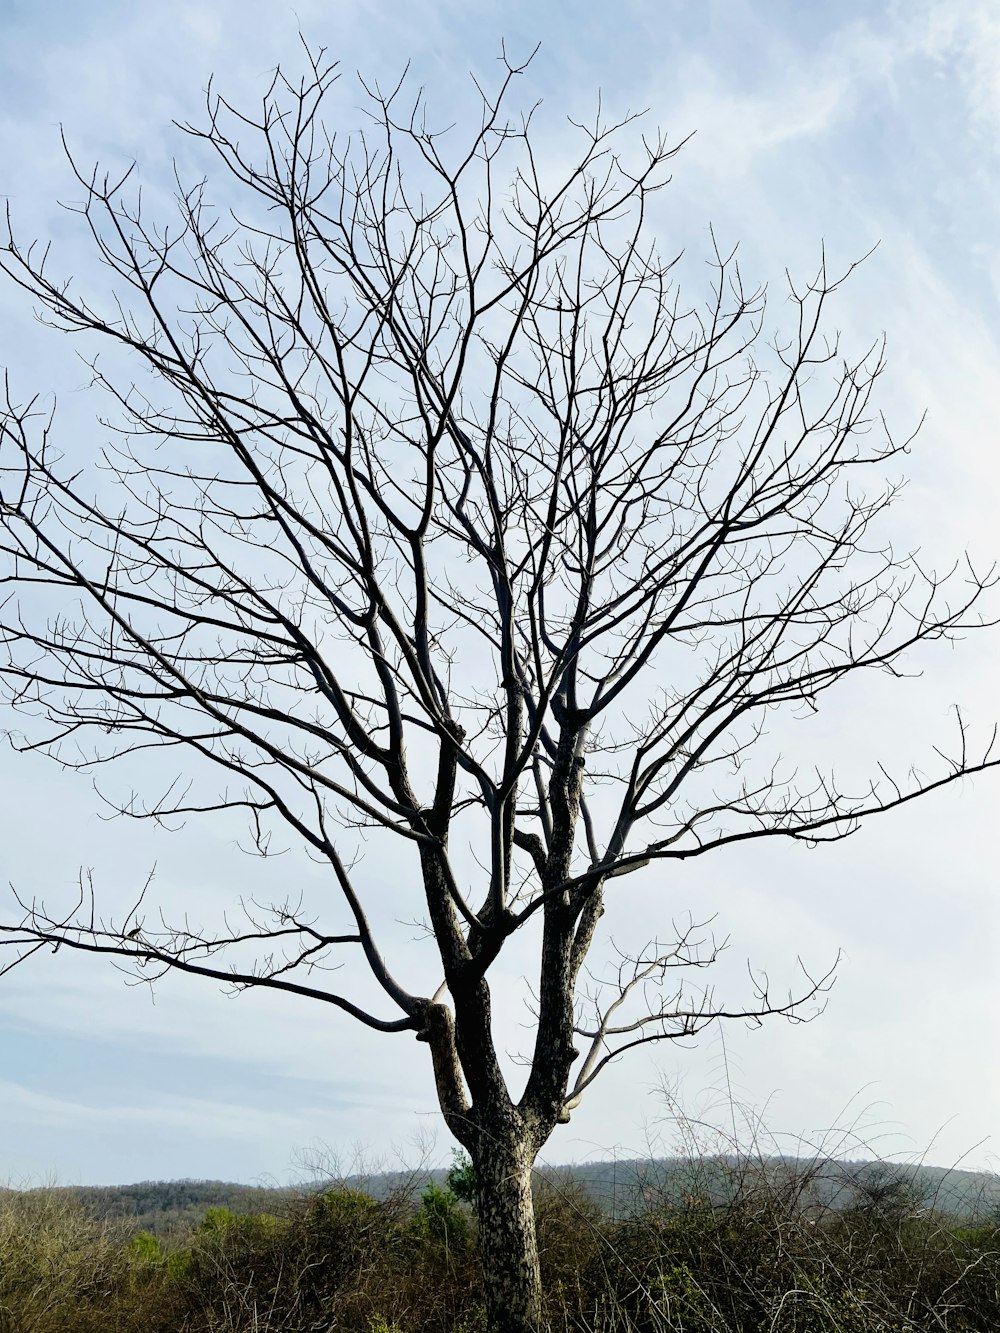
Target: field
<point x="718" y="1245"/>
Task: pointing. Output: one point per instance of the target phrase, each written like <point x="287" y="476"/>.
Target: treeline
<point x="618" y="1188"/>
<point x="163" y="1207"/>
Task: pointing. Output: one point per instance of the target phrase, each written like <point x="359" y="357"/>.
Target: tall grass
<point x="743" y="1247"/>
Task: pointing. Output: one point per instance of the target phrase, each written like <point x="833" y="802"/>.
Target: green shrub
<point x="462" y="1178"/>
<point x="147" y="1249"/>
<point x="441" y="1220"/>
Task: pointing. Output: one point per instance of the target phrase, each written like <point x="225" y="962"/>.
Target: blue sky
<point x="844" y="124"/>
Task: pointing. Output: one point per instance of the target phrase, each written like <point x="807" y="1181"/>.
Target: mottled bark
<point x="512" y="1284"/>
<point x="503" y="1141"/>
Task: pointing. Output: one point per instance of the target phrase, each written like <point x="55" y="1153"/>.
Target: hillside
<point x="620" y="1188"/>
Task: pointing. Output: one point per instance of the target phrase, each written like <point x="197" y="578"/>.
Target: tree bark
<point x="512" y="1284"/>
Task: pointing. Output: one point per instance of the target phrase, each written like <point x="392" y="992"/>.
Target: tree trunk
<point x="512" y="1283"/>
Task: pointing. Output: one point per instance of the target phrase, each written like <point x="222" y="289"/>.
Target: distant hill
<point x="619" y="1187"/>
<point x="165" y="1206"/>
<point x="626" y="1186"/>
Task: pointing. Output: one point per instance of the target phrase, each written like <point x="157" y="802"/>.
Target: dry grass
<point x="764" y="1260"/>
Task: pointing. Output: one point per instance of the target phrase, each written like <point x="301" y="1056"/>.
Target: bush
<point x="462" y="1178"/>
<point x="441" y="1220"/>
<point x="741" y="1250"/>
<point x="61" y="1270"/>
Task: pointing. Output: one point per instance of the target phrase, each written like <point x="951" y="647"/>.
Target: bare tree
<point x="438" y="520"/>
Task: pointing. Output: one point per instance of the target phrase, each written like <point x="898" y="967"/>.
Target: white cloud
<point x="966" y="33"/>
<point x="189" y="1115"/>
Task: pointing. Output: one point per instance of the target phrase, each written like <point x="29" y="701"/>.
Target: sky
<point x="840" y="126"/>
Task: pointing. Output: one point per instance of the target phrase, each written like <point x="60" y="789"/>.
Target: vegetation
<point x="619" y="1187"/>
<point x="163" y="1207"/>
<point x="768" y="1257"/>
